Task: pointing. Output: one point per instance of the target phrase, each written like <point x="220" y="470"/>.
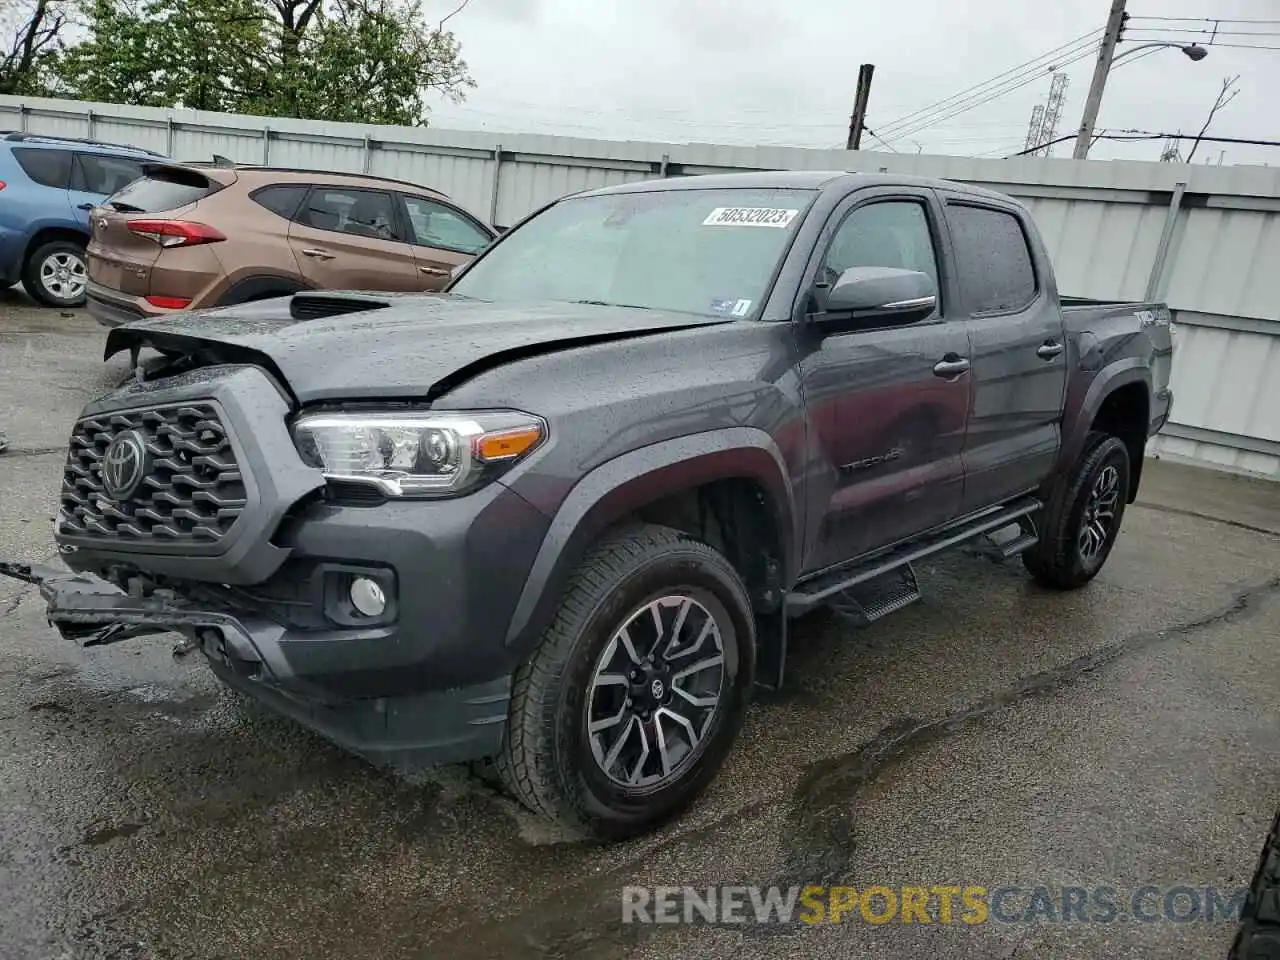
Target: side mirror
<point x="876" y="296"/>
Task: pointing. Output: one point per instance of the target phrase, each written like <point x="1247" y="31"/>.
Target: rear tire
<point x="1258" y="936"/>
<point x="611" y="731"/>
<point x="1080" y="522"/>
<point x="56" y="274"/>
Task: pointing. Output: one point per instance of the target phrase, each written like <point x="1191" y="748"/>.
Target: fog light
<point x="367" y="597"/>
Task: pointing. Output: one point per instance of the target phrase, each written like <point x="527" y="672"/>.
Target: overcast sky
<point x="784" y="71"/>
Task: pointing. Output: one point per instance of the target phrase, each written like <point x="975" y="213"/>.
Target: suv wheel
<point x="629" y="705"/>
<point x="56" y="274"/>
<point x="1082" y="518"/>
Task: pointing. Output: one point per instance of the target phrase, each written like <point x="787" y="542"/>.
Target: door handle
<point x="951" y="366"/>
<point x="1048" y="350"/>
<point x="317" y="253"/>
<point x="435" y="271"/>
<point x="84" y="206"/>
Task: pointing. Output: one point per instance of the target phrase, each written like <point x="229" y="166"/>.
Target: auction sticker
<point x="749" y="217"/>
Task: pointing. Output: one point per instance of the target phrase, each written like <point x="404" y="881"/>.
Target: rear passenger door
<point x="348" y="238"/>
<point x="1018" y="358"/>
<point x="443" y="238"/>
<point x="94" y="177"/>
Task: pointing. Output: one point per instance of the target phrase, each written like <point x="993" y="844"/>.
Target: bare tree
<point x="1225" y="96"/>
<point x="37" y="31"/>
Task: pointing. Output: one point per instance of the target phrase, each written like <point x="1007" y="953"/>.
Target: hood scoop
<point x="318" y="305"/>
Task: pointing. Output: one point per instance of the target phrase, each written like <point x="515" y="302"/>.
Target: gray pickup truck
<point x="557" y="518"/>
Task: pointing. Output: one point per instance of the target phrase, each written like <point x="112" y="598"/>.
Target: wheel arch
<point x="49" y="235"/>
<point x="1118" y="401"/>
<point x="729" y="488"/>
<point x="259" y="287"/>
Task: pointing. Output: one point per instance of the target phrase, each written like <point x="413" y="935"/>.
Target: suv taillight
<point x="175" y="233"/>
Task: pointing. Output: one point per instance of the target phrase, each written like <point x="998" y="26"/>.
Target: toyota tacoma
<point x="557" y="518"/>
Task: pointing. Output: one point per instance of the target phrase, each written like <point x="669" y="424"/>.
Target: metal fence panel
<point x="1105" y="224"/>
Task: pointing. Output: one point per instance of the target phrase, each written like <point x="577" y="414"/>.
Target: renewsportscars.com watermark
<point x="933" y="903"/>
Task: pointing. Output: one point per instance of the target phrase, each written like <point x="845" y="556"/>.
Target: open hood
<point x="383" y="346"/>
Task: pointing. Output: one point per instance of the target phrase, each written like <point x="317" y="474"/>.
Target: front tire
<point x="1080" y="522"/>
<point x="629" y="705"/>
<point x="56" y="274"/>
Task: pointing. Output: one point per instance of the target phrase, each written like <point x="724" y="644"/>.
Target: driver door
<point x="890" y="429"/>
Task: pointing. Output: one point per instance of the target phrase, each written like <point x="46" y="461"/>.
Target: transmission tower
<point x="1034" y="127"/>
<point x="1053" y="112"/>
<point x="1044" y="118"/>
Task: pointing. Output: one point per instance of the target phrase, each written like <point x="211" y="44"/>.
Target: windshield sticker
<point x="749" y="217"/>
<point x="731" y="307"/>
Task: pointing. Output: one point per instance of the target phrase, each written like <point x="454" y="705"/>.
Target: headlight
<point x="406" y="454"/>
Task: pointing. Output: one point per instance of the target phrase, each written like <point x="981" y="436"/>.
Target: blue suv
<point x="48" y="185"/>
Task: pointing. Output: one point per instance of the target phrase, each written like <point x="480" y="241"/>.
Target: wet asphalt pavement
<point x="993" y="734"/>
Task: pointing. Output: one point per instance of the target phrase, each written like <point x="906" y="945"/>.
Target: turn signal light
<point x="505" y="445"/>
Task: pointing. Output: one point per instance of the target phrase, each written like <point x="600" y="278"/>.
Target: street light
<point x="1084" y="138"/>
<point x="1194" y="51"/>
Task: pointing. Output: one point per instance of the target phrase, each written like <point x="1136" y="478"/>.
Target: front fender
<point x="621" y="486"/>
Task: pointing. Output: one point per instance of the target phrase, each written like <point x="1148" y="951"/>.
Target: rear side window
<point x="361" y="213"/>
<point x="49" y="168"/>
<point x="162" y="190"/>
<point x="997" y="272"/>
<point x="282" y="199"/>
<point x="94" y="173"/>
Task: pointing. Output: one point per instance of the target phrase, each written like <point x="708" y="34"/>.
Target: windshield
<point x="709" y="252"/>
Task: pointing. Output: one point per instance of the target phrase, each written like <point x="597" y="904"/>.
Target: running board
<point x="870" y="600"/>
<point x="827" y="585"/>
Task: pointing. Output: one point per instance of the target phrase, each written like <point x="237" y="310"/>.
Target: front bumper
<point x="252" y="655"/>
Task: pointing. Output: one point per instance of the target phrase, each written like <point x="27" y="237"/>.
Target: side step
<point x="870" y="600"/>
<point x="827" y="585"/>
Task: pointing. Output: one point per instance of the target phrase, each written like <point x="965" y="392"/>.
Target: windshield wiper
<point x="119" y="207"/>
<point x="602" y="303"/>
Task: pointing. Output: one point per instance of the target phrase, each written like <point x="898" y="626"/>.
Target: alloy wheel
<point x="1097" y="523"/>
<point x="655" y="691"/>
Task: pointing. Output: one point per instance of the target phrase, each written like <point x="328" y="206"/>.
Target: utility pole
<point x="1115" y="25"/>
<point x="858" y="120"/>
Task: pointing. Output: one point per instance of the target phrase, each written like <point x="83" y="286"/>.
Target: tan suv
<point x="187" y="236"/>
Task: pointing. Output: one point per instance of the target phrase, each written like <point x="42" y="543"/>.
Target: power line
<point x="1242" y="46"/>
<point x="876" y="137"/>
<point x="925" y="122"/>
<point x="1139" y="135"/>
<point x="1206" y="32"/>
<point x="1202" y="20"/>
<point x="1036" y="63"/>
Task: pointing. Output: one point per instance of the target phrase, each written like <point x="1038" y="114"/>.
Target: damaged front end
<point x="93" y="612"/>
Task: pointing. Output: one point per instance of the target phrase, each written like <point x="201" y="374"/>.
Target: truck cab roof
<point x="836" y="181"/>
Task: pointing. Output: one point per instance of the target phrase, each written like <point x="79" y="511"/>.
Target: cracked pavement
<point x="992" y="734"/>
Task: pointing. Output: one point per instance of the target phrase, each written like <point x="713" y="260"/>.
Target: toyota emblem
<point x="656" y="689"/>
<point x="102" y="223"/>
<point x="124" y="465"/>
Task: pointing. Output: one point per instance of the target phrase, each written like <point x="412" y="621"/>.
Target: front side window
<point x="886" y="233"/>
<point x="435" y="225"/>
<point x="360" y="213"/>
<point x="710" y="252"/>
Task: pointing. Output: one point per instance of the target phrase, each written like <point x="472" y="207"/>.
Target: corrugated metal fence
<point x="1205" y="238"/>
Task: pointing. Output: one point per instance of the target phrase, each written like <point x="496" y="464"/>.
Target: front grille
<point x="192" y="489"/>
